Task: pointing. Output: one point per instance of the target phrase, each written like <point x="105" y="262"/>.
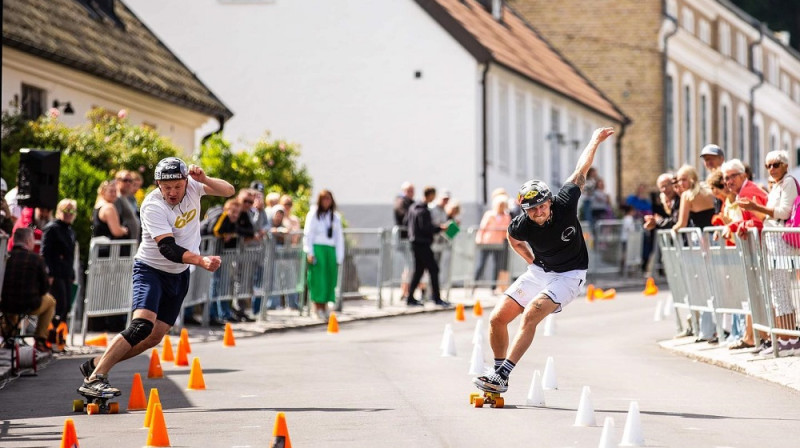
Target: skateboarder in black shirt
<point x="548" y="236"/>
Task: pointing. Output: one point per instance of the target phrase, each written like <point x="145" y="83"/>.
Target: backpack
<point x="208" y="223"/>
<point x="793" y="239"/>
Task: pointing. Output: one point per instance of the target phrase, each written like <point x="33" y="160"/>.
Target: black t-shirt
<point x="558" y="245"/>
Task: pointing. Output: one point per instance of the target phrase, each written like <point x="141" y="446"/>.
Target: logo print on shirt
<point x="568" y="233"/>
<point x="186" y="218"/>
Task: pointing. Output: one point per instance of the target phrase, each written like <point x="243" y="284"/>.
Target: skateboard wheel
<point x="113" y="408"/>
<point x="77" y="405"/>
<point x="92" y="408"/>
<point x="498" y="402"/>
<point x="472" y="397"/>
<point x="478" y="403"/>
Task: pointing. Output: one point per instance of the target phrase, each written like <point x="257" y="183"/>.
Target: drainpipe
<point x="621" y="134"/>
<point x="666" y="99"/>
<point x="751" y="108"/>
<point x="485" y="142"/>
<point x="221" y="121"/>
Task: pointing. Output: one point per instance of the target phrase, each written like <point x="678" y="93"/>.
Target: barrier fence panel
<point x="463" y="252"/>
<point x="490" y="265"/>
<point x="200" y="282"/>
<point x="726" y="270"/>
<point x="780" y="247"/>
<point x="605" y="256"/>
<point x="694" y="265"/>
<point x="109" y="282"/>
<point x="667" y="244"/>
<point x="284" y="267"/>
<point x="752" y="258"/>
<point x="362" y="273"/>
<point x="401" y="261"/>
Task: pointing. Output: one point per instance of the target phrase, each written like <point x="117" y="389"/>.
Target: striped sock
<point x="497" y="363"/>
<point x="505" y="369"/>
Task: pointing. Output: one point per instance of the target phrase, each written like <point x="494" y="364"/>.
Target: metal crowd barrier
<point x="284" y="271"/>
<point x="109" y="283"/>
<point x="362" y="273"/>
<point x="781" y="268"/>
<point x="670" y="256"/>
<point x="609" y="252"/>
<point x="200" y="282"/>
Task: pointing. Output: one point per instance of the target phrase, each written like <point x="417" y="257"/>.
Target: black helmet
<point x="171" y="168"/>
<point x="533" y="193"/>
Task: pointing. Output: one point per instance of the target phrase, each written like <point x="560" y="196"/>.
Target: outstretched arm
<point x="211" y="185"/>
<point x="587" y="157"/>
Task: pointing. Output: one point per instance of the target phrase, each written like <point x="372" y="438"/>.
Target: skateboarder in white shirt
<point x="170" y="242"/>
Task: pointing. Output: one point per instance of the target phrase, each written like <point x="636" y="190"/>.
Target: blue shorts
<point x="159" y="291"/>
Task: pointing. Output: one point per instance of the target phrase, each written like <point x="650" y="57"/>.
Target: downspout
<point x="751" y="108"/>
<point x="485" y="138"/>
<point x="621" y="134"/>
<point x="666" y="99"/>
<point x="221" y="121"/>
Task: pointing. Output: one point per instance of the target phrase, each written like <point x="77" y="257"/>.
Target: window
<point x="555" y="138"/>
<point x="688" y="20"/>
<point x="758" y="60"/>
<point x="785" y="84"/>
<point x="687" y="124"/>
<point x="741" y="49"/>
<point x="538" y="142"/>
<point x="573" y="144"/>
<point x="724" y="39"/>
<point x="703" y="120"/>
<point x="755" y="155"/>
<point x="796" y="94"/>
<point x="32" y="106"/>
<point x="670" y="129"/>
<point x="522" y="151"/>
<point x="772" y="74"/>
<point x="742" y="136"/>
<point x="705" y="32"/>
<point x="672" y="8"/>
<point x="725" y="128"/>
<point x="503" y="128"/>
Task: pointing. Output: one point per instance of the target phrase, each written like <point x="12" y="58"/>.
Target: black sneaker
<point x="86" y="368"/>
<point x="491" y="383"/>
<point x="443" y="303"/>
<point x="99" y="388"/>
<point x="413" y="302"/>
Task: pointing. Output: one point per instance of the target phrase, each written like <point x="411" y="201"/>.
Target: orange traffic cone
<point x="69" y="439"/>
<point x="280" y="434"/>
<point x="598" y="293"/>
<point x="196" y="376"/>
<point x="590" y="292"/>
<point x="98" y="341"/>
<point x="151" y="405"/>
<point x="61" y="336"/>
<point x="185" y="340"/>
<point x="137" y="402"/>
<point x="228" y="340"/>
<point x="460" y="312"/>
<point x="166" y="354"/>
<point x="333" y="324"/>
<point x="157" y="435"/>
<point x="650" y="288"/>
<point x="609" y="294"/>
<point x="155" y="366"/>
<point x="180" y="357"/>
<point x="478" y="309"/>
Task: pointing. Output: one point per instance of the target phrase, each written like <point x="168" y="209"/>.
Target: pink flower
<point x="282" y="146"/>
<point x="53" y="113"/>
<point x="270" y="162"/>
<point x="122" y="114"/>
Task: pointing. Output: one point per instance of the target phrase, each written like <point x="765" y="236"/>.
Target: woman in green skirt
<point x="324" y="247"/>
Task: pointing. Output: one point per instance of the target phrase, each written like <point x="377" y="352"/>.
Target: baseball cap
<point x="257" y="185"/>
<point x="712" y="150"/>
<point x="445" y="194"/>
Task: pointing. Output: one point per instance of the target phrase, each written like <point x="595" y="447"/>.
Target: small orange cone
<point x="280" y="434"/>
<point x="157" y="435"/>
<point x="460" y="312"/>
<point x="166" y="354"/>
<point x="477" y="310"/>
<point x="650" y="288"/>
<point x="180" y="357"/>
<point x="609" y="294"/>
<point x="98" y="341"/>
<point x="155" y="366"/>
<point x="598" y="293"/>
<point x="185" y="340"/>
<point x="228" y="340"/>
<point x="590" y="292"/>
<point x="137" y="402"/>
<point x="69" y="439"/>
<point x="333" y="324"/>
<point x="151" y="405"/>
<point x="196" y="376"/>
<point x="61" y="336"/>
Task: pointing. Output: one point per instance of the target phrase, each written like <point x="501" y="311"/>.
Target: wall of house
<point x="338" y="77"/>
<point x="85" y="91"/>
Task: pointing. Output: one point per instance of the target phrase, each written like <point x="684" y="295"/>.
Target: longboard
<point x="493" y="399"/>
<point x="95" y="405"/>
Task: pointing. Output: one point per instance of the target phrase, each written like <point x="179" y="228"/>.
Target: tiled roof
<point x="515" y="45"/>
<point x="117" y="47"/>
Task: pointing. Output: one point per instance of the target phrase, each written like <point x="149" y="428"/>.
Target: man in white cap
<point x="713" y="156"/>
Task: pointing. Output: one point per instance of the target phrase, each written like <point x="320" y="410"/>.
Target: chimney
<point x="784" y="37"/>
<point x="493" y="6"/>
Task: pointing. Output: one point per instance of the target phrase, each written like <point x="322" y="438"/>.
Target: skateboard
<point x="493" y="399"/>
<point x="95" y="405"/>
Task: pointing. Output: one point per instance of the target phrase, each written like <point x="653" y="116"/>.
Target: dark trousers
<point x="424" y="261"/>
<point x="61" y="289"/>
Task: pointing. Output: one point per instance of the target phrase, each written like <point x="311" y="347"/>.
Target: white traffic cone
<point x="477" y="338"/>
<point x="549" y="325"/>
<point x="585" y="416"/>
<point x="658" y="312"/>
<point x="448" y="329"/>
<point x="536" y="393"/>
<point x="476" y="366"/>
<point x="632" y="434"/>
<point x="448" y="342"/>
<point x="668" y="306"/>
<point x="549" y="381"/>
<point x="607" y="437"/>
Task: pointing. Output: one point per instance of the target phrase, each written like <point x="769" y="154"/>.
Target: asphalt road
<point x="383" y="383"/>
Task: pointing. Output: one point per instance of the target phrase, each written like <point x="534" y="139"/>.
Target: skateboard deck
<point x="95" y="405"/>
<point x="493" y="399"/>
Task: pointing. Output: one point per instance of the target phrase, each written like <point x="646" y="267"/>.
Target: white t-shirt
<point x="182" y="220"/>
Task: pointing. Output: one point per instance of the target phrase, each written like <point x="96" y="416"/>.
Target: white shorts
<point x="560" y="287"/>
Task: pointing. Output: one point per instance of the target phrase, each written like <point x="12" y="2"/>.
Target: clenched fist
<point x="211" y="263"/>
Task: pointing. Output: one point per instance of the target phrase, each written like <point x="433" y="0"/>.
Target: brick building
<point x="687" y="72"/>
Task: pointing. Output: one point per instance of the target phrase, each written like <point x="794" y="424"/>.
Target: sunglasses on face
<point x="773" y="165"/>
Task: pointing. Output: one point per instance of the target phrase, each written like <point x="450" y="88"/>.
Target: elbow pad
<point x="170" y="250"/>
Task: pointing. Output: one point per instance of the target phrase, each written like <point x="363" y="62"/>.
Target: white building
<point x="76" y="55"/>
<point x="380" y="92"/>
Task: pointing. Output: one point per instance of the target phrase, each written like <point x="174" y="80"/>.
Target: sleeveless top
<point x="701" y="219"/>
<point x="99" y="227"/>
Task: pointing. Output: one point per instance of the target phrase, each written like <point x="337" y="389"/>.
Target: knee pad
<point x="137" y="331"/>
